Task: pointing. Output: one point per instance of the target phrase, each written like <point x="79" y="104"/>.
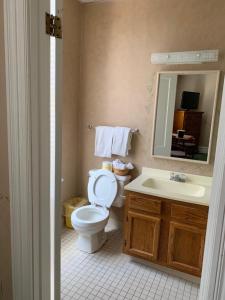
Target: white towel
<point x="121" y="141"/>
<point x="103" y="141"/>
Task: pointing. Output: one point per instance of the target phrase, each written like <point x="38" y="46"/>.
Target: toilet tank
<point x="120" y="198"/>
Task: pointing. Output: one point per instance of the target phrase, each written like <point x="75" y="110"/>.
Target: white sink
<point x="157" y="183"/>
<point x="170" y="186"/>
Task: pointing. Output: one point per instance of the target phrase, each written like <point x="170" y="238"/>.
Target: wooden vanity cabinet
<point x="166" y="232"/>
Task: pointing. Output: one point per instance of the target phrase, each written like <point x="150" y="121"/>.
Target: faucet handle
<point x="172" y="175"/>
<point x="178" y="177"/>
<point x="183" y="177"/>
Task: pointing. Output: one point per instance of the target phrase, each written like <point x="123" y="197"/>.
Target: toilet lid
<point x="102" y="188"/>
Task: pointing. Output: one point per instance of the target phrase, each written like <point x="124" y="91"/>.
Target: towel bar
<point x="135" y="130"/>
<point x="3" y="197"/>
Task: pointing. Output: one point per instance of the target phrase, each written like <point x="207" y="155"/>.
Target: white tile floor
<point x="110" y="274"/>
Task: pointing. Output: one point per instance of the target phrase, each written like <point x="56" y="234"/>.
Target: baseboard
<point x="202" y="149"/>
<point x="166" y="270"/>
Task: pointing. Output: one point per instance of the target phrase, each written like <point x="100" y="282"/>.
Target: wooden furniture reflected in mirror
<point x="184" y="147"/>
<point x="190" y="121"/>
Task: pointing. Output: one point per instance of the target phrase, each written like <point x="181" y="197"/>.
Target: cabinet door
<point x="186" y="247"/>
<point x="143" y="235"/>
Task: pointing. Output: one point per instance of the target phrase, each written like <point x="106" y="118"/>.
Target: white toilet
<point x="90" y="221"/>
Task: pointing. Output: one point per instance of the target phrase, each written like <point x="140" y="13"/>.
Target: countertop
<point x="148" y="173"/>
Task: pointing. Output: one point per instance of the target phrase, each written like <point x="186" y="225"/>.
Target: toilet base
<point x="91" y="243"/>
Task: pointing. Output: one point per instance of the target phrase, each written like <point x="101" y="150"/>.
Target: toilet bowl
<point x="90" y="221"/>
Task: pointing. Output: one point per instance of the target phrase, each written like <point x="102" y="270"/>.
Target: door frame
<point x="27" y="114"/>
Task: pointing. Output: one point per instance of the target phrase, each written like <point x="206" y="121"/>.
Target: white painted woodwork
<point x="165" y="114"/>
<point x="212" y="282"/>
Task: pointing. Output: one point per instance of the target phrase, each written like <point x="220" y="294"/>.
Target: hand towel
<point x="103" y="141"/>
<point x="121" y="141"/>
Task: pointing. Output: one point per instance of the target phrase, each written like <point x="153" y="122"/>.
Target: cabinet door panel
<point x="185" y="249"/>
<point x="143" y="235"/>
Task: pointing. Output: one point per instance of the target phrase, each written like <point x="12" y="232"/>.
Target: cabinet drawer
<point x="189" y="214"/>
<point x="144" y="204"/>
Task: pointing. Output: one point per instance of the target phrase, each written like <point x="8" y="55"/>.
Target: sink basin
<point x="168" y="186"/>
<point x="157" y="183"/>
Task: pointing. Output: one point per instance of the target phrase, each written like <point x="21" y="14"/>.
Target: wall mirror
<point x="184" y="115"/>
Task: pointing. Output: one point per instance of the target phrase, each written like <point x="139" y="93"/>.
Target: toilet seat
<point x="102" y="188"/>
<point x="90" y="214"/>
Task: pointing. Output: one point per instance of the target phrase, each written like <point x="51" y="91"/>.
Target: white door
<point x="165" y="114"/>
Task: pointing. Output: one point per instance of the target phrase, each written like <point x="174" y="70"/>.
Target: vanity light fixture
<point x="188" y="57"/>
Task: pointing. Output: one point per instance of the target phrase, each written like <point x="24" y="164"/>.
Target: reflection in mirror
<point x="184" y="115"/>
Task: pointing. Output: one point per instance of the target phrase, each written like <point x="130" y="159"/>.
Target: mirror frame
<point x="199" y="72"/>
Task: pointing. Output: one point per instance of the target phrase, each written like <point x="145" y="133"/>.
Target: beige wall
<point x="71" y="67"/>
<point x="117" y="78"/>
<point x="5" y="257"/>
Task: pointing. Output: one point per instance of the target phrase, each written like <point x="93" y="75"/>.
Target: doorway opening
<point x="88" y="60"/>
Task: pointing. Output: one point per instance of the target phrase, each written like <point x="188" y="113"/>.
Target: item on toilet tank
<point x="121" y="168"/>
<point x="107" y="165"/>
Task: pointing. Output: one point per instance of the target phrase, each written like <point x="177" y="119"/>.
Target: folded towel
<point x="121" y="141"/>
<point x="103" y="141"/>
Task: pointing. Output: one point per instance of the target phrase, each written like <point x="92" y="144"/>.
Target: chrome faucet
<point x="178" y="177"/>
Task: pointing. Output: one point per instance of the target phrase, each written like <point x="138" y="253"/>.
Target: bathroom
<point x="152" y="67"/>
<point x="110" y="80"/>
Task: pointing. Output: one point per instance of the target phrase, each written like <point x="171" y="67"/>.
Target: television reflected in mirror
<point x="184" y="115"/>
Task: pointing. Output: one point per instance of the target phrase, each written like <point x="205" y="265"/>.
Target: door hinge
<point x="53" y="25"/>
<point x="1" y="289"/>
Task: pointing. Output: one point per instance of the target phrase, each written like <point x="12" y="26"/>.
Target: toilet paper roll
<point x="107" y="165"/>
